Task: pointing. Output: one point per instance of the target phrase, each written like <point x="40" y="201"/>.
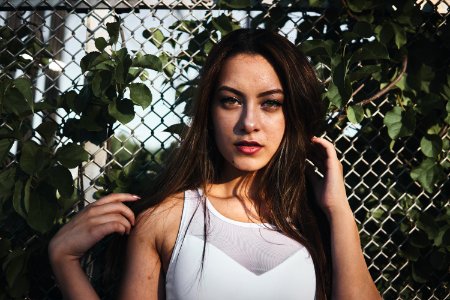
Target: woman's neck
<point x="235" y="184"/>
<point x="234" y="197"/>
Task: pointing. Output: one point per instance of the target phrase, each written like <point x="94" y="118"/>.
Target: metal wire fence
<point x="69" y="28"/>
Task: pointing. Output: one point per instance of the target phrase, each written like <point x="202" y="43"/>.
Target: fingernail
<point x="136" y="197"/>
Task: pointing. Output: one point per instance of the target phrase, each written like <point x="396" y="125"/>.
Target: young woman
<point x="238" y="213"/>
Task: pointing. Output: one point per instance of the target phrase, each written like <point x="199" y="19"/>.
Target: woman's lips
<point x="248" y="147"/>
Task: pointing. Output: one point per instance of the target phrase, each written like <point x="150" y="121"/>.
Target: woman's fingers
<point x="116" y="197"/>
<point x="327" y="146"/>
<point x="318" y="156"/>
<point x="105" y="224"/>
<point x="330" y="159"/>
<point x="94" y="222"/>
<point x="112" y="207"/>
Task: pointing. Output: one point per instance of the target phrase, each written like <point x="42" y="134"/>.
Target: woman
<point x="234" y="215"/>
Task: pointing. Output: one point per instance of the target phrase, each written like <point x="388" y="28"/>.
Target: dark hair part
<point x="282" y="189"/>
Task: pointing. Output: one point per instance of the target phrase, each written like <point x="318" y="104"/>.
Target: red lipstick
<point x="248" y="147"/>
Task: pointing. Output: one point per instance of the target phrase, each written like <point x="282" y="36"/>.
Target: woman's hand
<point x="89" y="226"/>
<point x="329" y="190"/>
<point x="94" y="222"/>
<point x="351" y="278"/>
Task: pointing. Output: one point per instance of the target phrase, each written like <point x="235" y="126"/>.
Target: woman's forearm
<point x="72" y="280"/>
<point x="351" y="278"/>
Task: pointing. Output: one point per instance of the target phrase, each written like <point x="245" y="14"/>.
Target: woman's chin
<point x="247" y="168"/>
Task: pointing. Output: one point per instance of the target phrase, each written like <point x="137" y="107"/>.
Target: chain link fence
<point x="68" y="29"/>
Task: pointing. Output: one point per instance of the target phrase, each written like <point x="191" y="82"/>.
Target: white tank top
<point x="242" y="260"/>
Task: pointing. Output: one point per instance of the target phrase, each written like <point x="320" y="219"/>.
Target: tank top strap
<point x="192" y="202"/>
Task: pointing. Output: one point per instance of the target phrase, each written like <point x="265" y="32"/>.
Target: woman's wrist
<point x="58" y="258"/>
<point x="338" y="211"/>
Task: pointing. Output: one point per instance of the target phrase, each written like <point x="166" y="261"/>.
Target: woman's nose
<point x="249" y="119"/>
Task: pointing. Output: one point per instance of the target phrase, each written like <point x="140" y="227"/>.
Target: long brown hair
<point x="282" y="186"/>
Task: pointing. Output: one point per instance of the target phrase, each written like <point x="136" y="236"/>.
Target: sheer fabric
<point x="242" y="260"/>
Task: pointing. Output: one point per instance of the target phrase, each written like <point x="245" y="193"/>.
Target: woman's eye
<point x="230" y="101"/>
<point x="272" y="104"/>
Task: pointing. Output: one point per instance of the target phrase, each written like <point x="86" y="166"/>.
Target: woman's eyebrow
<point x="239" y="93"/>
<point x="271" y="92"/>
<point x="230" y="89"/>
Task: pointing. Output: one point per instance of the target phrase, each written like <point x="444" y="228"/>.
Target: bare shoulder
<point x="159" y="224"/>
<point x="160" y="217"/>
<point x="149" y="249"/>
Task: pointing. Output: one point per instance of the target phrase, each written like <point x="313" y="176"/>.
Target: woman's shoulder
<point x="159" y="222"/>
<point x="162" y="213"/>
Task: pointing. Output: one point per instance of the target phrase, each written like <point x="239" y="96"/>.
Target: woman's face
<point x="247" y="113"/>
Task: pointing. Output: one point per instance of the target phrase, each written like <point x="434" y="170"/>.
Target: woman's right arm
<point x="99" y="219"/>
<point x="142" y="276"/>
<point x="149" y="245"/>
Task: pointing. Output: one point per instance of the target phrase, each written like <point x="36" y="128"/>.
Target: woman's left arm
<point x="350" y="277"/>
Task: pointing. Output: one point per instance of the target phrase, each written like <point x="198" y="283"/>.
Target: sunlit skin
<point x="249" y="124"/>
<point x="247" y="114"/>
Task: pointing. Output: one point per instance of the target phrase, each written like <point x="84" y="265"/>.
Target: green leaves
<point x="355" y="113"/>
<point x="360" y="6"/>
<point x="176" y="129"/>
<point x="333" y="95"/>
<point x="21" y="199"/>
<point x="86" y="61"/>
<point x="5" y="146"/>
<point x="389" y="31"/>
<point x="419" y="239"/>
<point x="61" y="179"/>
<point x="7" y="183"/>
<point x="363" y="29"/>
<point x="431" y="145"/>
<point x="34" y="158"/>
<point x="147" y="61"/>
<point x="24" y="85"/>
<point x="71" y="155"/>
<point x="100" y="44"/>
<point x="124" y="63"/>
<point x="322" y="50"/>
<point x="427" y="223"/>
<point x="101" y="83"/>
<point x="15" y="102"/>
<point x="155" y="36"/>
<point x="140" y="94"/>
<point x="167" y="64"/>
<point x="235" y="4"/>
<point x="122" y="110"/>
<point x="47" y="130"/>
<point x="14" y="269"/>
<point x="420" y="78"/>
<point x="109" y="76"/>
<point x="224" y="24"/>
<point x="372" y="51"/>
<point x="17" y="97"/>
<point x="428" y="173"/>
<point x="400" y="122"/>
<point x="364" y="72"/>
<point x="342" y="82"/>
<point x="361" y="52"/>
<point x="113" y="31"/>
<point x="42" y="211"/>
